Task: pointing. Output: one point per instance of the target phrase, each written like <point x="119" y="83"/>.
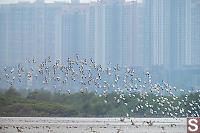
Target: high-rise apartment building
<point x="160" y="32"/>
<point x="113" y="31"/>
<point x="74" y="34"/>
<point x="180" y="33"/>
<point x="130" y="45"/>
<point x="195" y="32"/>
<point x="99" y="34"/>
<point x="4" y="58"/>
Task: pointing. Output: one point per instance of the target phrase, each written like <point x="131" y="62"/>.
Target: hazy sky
<point x="14" y="1"/>
<point x="83" y="1"/>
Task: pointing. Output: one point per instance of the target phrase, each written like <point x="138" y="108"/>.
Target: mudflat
<point x="88" y="125"/>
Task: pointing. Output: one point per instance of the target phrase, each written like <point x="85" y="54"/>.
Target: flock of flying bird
<point x="86" y="75"/>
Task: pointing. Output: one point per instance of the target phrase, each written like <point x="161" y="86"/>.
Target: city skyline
<point x="143" y="34"/>
<point x="155" y="35"/>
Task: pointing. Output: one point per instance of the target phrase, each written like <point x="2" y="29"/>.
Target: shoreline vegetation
<point x="42" y="103"/>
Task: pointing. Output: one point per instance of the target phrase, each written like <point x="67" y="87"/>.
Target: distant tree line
<point x="42" y="103"/>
